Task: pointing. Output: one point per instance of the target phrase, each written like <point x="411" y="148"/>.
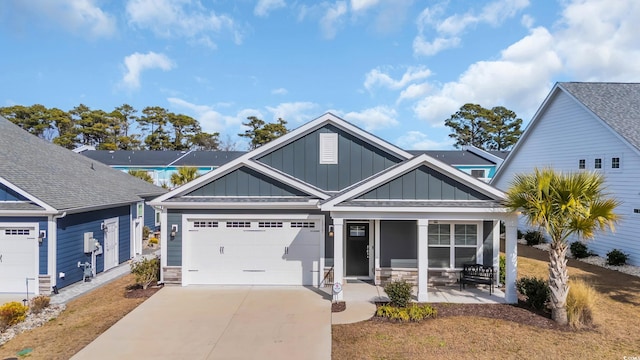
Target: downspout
<point x="52" y="247"/>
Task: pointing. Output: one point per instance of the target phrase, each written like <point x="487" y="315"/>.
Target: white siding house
<point x="588" y="127"/>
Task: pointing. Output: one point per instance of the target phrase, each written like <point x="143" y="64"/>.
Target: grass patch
<point x="84" y="319"/>
<point x="581" y="304"/>
<point x="477" y="337"/>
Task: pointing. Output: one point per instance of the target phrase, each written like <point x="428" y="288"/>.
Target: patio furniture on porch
<point x="477" y="274"/>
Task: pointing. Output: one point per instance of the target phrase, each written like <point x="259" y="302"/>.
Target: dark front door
<point x="357" y="243"/>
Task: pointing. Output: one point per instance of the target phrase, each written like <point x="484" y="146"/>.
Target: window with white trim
<point x="449" y="244"/>
<point x="582" y="164"/>
<point x="478" y="174"/>
<point x="328" y="148"/>
<point x="615" y="163"/>
<point x="597" y="163"/>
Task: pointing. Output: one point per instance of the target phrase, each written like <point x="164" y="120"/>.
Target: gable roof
<point x="398" y="170"/>
<point x="617" y="104"/>
<point x="59" y="179"/>
<point x="455" y="157"/>
<point x="249" y="158"/>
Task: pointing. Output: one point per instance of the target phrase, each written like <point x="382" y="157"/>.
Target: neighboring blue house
<point x="160" y="165"/>
<point x="476" y="162"/>
<point x="51" y="200"/>
<point x="331" y="197"/>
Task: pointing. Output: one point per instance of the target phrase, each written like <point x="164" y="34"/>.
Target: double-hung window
<point x="452" y="245"/>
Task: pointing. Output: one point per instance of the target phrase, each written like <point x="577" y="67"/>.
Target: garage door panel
<point x="277" y="253"/>
<point x="17" y="259"/>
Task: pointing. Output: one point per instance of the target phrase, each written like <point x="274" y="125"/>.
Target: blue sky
<point x="397" y="68"/>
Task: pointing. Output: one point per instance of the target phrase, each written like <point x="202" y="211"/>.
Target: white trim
<point x="409" y="166"/>
<point x="313" y="125"/>
<point x="309" y="205"/>
<point x="485" y="154"/>
<point x="376" y="249"/>
<point x="423" y="259"/>
<point x="163" y="241"/>
<point x="47" y="207"/>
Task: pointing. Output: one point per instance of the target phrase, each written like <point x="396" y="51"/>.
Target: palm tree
<point x="141" y="174"/>
<point x="184" y="175"/>
<point x="563" y="204"/>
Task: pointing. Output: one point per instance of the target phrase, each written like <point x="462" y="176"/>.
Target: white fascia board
<point x="485" y="154"/>
<point x="311" y="205"/>
<point x="45" y="206"/>
<point x="19" y="213"/>
<point x="417" y="161"/>
<point x="327" y="118"/>
<point x="440" y="214"/>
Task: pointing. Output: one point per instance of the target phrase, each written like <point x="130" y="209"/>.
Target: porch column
<point x="511" y="253"/>
<point x="376" y="251"/>
<point x="338" y="257"/>
<point x="496" y="247"/>
<point x="423" y="260"/>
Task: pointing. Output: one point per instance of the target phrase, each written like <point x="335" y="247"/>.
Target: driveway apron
<point x="221" y="322"/>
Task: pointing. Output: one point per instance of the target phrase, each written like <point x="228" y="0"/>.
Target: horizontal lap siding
<point x="42" y="249"/>
<point x="357" y="160"/>
<point x="566" y="133"/>
<point x="174" y="244"/>
<point x="71" y="231"/>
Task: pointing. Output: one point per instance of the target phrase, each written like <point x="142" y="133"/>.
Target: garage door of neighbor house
<point x="18" y="259"/>
<point x="253" y="251"/>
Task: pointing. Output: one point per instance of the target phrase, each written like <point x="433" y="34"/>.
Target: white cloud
<point x="136" y="63"/>
<point x="213" y="121"/>
<point x="332" y="18"/>
<point x="378" y="78"/>
<point x="449" y="29"/>
<point x="373" y="118"/>
<point x="83" y="17"/>
<point x="416" y="140"/>
<point x="293" y="112"/>
<point x="279" y="91"/>
<point x="361" y="5"/>
<point x="263" y="7"/>
<point x="182" y="18"/>
<point x="414" y="91"/>
<point x="516" y="79"/>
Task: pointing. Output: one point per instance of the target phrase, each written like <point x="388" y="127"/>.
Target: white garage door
<point x="18" y="246"/>
<point x="253" y="252"/>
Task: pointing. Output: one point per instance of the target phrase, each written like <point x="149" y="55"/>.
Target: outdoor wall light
<point x="330" y="230"/>
<point x="174" y="230"/>
<point x="41" y="236"/>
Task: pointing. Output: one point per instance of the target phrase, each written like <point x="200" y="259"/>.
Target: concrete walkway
<point x="221" y="322"/>
<point x="360" y="298"/>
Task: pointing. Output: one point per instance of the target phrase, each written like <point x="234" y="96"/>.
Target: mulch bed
<point x="136" y="291"/>
<point x="338" y="306"/>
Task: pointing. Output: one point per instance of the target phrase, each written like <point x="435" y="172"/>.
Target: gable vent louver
<point x="328" y="148"/>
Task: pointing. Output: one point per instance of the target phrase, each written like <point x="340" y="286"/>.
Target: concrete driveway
<point x="221" y="322"/>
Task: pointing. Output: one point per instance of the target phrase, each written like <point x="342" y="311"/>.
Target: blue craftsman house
<point x="61" y="212"/>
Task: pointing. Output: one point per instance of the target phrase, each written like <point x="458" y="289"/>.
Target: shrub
<point x="579" y="250"/>
<point x="581" y="302"/>
<point x="153" y="241"/>
<point x="145" y="232"/>
<point x="39" y="303"/>
<point x="533" y="237"/>
<point x="616" y="257"/>
<point x="520" y="234"/>
<point x="146" y="271"/>
<point x="12" y="313"/>
<point x="503" y="269"/>
<point x="536" y="291"/>
<point x="399" y="292"/>
<point x="412" y="313"/>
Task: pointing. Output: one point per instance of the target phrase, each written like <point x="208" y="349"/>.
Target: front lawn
<point x="465" y="337"/>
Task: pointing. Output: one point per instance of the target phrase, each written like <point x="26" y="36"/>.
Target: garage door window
<point x="205" y="224"/>
<point x="302" y="224"/>
<point x="16" y="232"/>
<point x="270" y="224"/>
<point x="238" y="224"/>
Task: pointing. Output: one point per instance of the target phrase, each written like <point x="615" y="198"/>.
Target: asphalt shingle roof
<point x="454" y="157"/>
<point x="163" y="158"/>
<point x="61" y="178"/>
<point x="617" y="104"/>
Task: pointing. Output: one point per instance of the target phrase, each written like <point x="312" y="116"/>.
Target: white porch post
<point x="423" y="260"/>
<point x="338" y="257"/>
<point x="496" y="247"/>
<point x="164" y="241"/>
<point x="376" y="248"/>
<point x="511" y="253"/>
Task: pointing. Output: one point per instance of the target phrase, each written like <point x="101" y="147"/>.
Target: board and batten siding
<point x="245" y="182"/>
<point x="423" y="183"/>
<point x="357" y="160"/>
<point x="44" y="247"/>
<point x="566" y="133"/>
<point x="71" y="231"/>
